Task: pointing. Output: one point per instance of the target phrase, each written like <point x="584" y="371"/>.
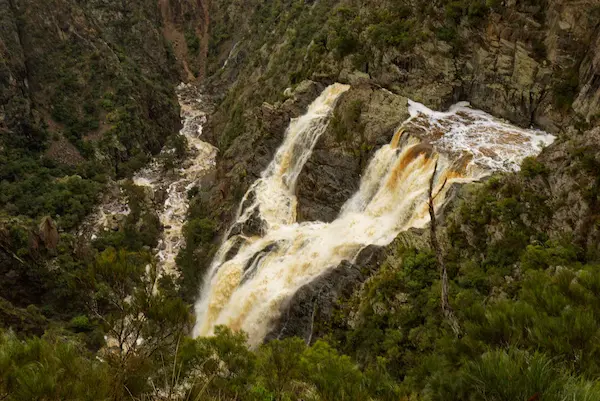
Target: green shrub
<point x="196" y="255"/>
<point x="192" y="41"/>
<point x="531" y="168"/>
<point x="81" y="323"/>
<point x="516" y="375"/>
<point x="398" y="34"/>
<point x="345" y="43"/>
<point x="199" y="231"/>
<point x="50" y="369"/>
<point x="551" y="255"/>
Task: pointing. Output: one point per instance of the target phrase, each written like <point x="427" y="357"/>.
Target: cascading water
<point x="176" y="185"/>
<point x="245" y="291"/>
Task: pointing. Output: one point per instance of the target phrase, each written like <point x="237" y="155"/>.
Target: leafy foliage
<point x="50" y="368"/>
<point x="35" y="189"/>
<point x="192" y="41"/>
<point x="528" y="303"/>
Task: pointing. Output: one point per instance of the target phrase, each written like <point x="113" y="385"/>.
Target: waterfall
<point x="246" y="290"/>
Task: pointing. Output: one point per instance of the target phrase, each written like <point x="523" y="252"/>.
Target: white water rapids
<point x="201" y="162"/>
<point x="247" y="290"/>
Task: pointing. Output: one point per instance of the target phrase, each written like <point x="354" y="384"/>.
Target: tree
<point x="279" y="365"/>
<point x="52" y="368"/>
<point x="220" y="366"/>
<point x="143" y="324"/>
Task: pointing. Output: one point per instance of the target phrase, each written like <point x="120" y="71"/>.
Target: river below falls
<point x="171" y="183"/>
<point x="200" y="162"/>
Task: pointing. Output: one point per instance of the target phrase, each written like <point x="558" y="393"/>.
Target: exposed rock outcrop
<point x="185" y="27"/>
<point x="513" y="63"/>
<point x="364" y="119"/>
<point x="312" y="306"/>
<point x="247" y="156"/>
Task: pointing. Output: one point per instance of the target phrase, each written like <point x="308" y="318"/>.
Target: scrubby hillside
<point x="87" y="96"/>
<point x="86" y="89"/>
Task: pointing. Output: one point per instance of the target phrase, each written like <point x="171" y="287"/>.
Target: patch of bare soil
<point x="63" y="151"/>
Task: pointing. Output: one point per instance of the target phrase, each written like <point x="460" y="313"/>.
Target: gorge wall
<point x="528" y="62"/>
<point x="93" y="82"/>
<point x="88" y="123"/>
<point x="80" y="76"/>
<point x="87" y="97"/>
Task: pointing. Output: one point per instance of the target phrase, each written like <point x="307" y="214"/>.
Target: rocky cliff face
<point x="434" y="53"/>
<point x="309" y="314"/>
<point x="365" y="118"/>
<point x="185" y="27"/>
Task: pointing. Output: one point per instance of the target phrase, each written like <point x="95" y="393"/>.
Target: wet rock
<point x="243" y="161"/>
<point x="238" y="243"/>
<point x="253" y="226"/>
<point x="315" y="301"/>
<point x="519" y="81"/>
<point x="250" y="268"/>
<point x="364" y="119"/>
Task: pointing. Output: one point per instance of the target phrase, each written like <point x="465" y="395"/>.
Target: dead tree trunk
<point x="446" y="308"/>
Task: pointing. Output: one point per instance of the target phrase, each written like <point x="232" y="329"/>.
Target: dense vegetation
<point x="81" y="104"/>
<point x="98" y="330"/>
<point x="527" y="299"/>
<point x="528" y="308"/>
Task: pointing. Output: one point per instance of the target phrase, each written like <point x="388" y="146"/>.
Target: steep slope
<point x="521" y="61"/>
<point x="92" y="73"/>
<point x="530" y="62"/>
<point x="87" y="96"/>
<point x="521" y="249"/>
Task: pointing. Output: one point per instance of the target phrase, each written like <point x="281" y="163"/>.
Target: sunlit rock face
<point x="256" y="271"/>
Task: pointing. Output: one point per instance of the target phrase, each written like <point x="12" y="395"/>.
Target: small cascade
<point x="273" y="194"/>
<point x="246" y="290"/>
<point x="197" y="166"/>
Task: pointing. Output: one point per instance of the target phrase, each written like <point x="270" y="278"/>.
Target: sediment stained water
<point x="176" y="184"/>
<point x="246" y="291"/>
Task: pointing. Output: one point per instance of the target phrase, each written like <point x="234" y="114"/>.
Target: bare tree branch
<point x="446" y="308"/>
<point x="312" y="322"/>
